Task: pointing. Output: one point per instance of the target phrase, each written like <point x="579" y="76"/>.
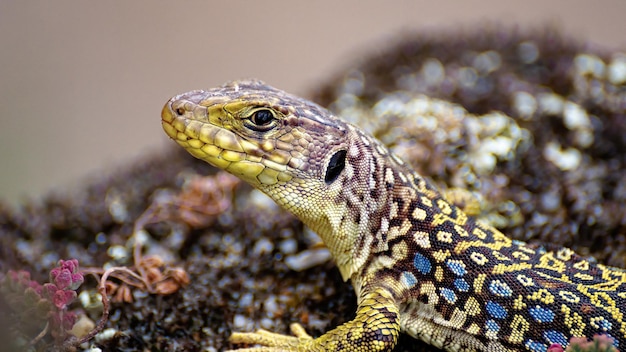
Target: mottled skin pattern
<point x="419" y="265"/>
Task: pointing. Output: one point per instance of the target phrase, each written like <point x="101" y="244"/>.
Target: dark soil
<point x="237" y="260"/>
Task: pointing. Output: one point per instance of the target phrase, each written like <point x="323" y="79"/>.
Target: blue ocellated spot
<point x="448" y="294"/>
<point x="605" y="325"/>
<point x="500" y="288"/>
<point x="422" y="264"/>
<point x="496" y="310"/>
<point x="457" y="267"/>
<point x="535" y="346"/>
<point x="541" y="315"/>
<point x="461" y="285"/>
<point x="492" y="326"/>
<point x="408" y="279"/>
<point x="555" y="337"/>
<point x="601" y="323"/>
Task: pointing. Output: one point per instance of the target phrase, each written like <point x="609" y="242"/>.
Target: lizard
<point x="418" y="264"/>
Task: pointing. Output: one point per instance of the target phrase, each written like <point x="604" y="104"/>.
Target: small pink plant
<point x="600" y="343"/>
<point x="37" y="304"/>
<point x="555" y="347"/>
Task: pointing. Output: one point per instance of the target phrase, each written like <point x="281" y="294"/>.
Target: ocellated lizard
<point x="418" y="264"/>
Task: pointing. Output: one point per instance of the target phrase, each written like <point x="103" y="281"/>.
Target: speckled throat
<point x="418" y="263"/>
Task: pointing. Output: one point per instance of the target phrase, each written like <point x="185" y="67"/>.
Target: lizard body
<point x="418" y="263"/>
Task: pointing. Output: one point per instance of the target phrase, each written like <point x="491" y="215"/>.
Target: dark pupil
<point x="262" y="117"/>
<point x="336" y="164"/>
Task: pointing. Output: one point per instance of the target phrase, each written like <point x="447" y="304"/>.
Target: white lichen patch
<point x="433" y="71"/>
<point x="550" y="103"/>
<point x="106" y="335"/>
<point x="565" y="159"/>
<point x="575" y="117"/>
<point x="587" y="64"/>
<point x="307" y="259"/>
<point x="90" y="300"/>
<point x="487" y="62"/>
<point x="242" y="323"/>
<point x="528" y="52"/>
<point x="419" y="114"/>
<point x="496" y="136"/>
<point x="525" y="105"/>
<point x="118" y="253"/>
<point x="467" y="77"/>
<point x="617" y="69"/>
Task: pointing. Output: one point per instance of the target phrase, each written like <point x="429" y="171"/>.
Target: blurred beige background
<point x="82" y="83"/>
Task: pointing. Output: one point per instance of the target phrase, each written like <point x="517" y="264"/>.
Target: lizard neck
<point x="356" y="214"/>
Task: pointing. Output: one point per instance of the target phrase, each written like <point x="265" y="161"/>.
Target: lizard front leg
<point x="375" y="328"/>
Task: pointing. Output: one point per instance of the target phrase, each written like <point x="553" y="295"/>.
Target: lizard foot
<point x="272" y="342"/>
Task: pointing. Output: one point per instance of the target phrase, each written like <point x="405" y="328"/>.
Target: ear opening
<point x="336" y="164"/>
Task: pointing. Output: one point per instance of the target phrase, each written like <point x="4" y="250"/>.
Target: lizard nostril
<point x="180" y="111"/>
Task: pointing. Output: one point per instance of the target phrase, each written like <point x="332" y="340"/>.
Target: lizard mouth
<point x="188" y="122"/>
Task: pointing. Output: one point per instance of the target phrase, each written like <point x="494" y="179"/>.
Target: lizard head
<point x="298" y="153"/>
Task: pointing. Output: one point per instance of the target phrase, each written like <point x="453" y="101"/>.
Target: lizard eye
<point x="262" y="117"/>
<point x="336" y="164"/>
<point x="261" y="120"/>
